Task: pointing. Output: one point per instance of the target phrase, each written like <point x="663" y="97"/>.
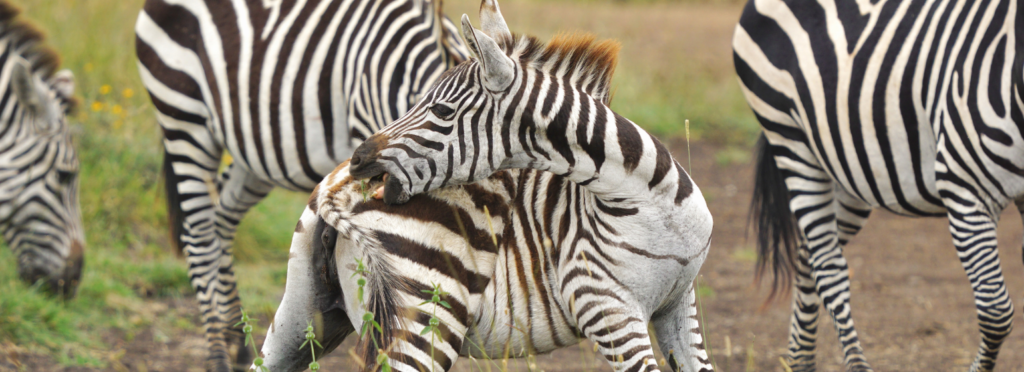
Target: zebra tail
<point x="382" y="289"/>
<point x="175" y="217"/>
<point x="775" y="224"/>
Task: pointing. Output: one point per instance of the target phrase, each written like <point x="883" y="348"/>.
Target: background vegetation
<point x="674" y="66"/>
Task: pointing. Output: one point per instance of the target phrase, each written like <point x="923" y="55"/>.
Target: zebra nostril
<point x="356" y="160"/>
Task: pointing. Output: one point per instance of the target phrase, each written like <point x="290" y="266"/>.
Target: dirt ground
<point x="911" y="300"/>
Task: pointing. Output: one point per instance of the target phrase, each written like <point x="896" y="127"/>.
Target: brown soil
<point x="911" y="300"/>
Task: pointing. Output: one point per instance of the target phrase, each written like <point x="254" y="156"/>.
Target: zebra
<point x="287" y="88"/>
<point x="39" y="213"/>
<point x="595" y="238"/>
<point x="914" y="107"/>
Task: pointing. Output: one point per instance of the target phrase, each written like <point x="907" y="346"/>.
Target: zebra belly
<point x="906" y="189"/>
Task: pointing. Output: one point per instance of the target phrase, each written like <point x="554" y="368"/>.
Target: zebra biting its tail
<point x="912" y="106"/>
<point x="601" y="234"/>
<point x="39" y="214"/>
<point x="286" y="87"/>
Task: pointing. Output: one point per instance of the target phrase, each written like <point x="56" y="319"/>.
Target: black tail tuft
<point x="777" y="231"/>
<point x="175" y="217"/>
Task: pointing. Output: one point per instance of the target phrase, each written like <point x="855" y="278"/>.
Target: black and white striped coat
<point x="595" y="239"/>
<point x="288" y="88"/>
<point x="912" y="106"/>
<point x="39" y="215"/>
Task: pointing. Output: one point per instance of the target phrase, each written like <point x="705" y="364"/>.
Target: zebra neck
<point x="591" y="145"/>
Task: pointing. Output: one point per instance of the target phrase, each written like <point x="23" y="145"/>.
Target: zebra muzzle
<point x="363" y="163"/>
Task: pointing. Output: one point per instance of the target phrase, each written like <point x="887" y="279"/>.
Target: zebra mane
<point x="28" y="41"/>
<point x="580" y="57"/>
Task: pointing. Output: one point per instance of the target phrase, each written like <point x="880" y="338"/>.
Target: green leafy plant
<point x="247" y="329"/>
<point x="435" y="322"/>
<point x="368" y="320"/>
<point x="311" y="340"/>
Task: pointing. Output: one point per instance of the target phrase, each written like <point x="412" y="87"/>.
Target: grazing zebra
<point x="601" y="234"/>
<point x="288" y="88"/>
<point x="39" y="213"/>
<point x="912" y="106"/>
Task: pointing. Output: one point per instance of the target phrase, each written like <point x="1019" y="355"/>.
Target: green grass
<point x="129" y="262"/>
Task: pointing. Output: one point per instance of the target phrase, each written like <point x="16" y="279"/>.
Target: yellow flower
<point x="105" y="89"/>
<point x="87" y="67"/>
<point x="97" y="106"/>
<point x="227" y="159"/>
<point x="117" y="109"/>
<point x="127" y="93"/>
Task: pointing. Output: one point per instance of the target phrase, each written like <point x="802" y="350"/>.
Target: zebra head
<point x="453" y="134"/>
<point x="39" y="213"/>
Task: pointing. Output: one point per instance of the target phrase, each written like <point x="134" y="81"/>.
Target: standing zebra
<point x="912" y="106"/>
<point x="39" y="213"/>
<point x="602" y="232"/>
<point x="288" y="88"/>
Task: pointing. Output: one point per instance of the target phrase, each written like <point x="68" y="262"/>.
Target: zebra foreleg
<point x="974" y="235"/>
<point x="680" y="337"/>
<point x="239" y="191"/>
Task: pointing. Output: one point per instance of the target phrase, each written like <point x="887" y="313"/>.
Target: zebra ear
<point x="492" y="23"/>
<point x="498" y="68"/>
<point x="64" y="83"/>
<point x="23" y="84"/>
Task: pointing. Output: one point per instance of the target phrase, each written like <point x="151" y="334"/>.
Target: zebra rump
<point x="39" y="213"/>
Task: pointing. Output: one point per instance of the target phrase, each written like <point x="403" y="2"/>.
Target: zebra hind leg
<point x="190" y="176"/>
<point x="803" y="323"/>
<point x="974" y="235"/>
<point x="680" y="337"/>
<point x="851" y="215"/>
<point x="618" y="327"/>
<point x="239" y="191"/>
<point x="812" y="193"/>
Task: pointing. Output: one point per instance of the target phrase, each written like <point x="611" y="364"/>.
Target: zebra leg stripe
<point x="803" y="324"/>
<point x="680" y="337"/>
<point x="195" y="184"/>
<point x="619" y="329"/>
<point x="974" y="235"/>
<point x="239" y="191"/>
<point x="851" y="216"/>
<point x="813" y="203"/>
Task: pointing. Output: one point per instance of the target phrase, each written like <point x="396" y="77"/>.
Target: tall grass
<point x="129" y="261"/>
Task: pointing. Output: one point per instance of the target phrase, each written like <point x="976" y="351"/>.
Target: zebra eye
<point x="65" y="177"/>
<point x="442" y="111"/>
